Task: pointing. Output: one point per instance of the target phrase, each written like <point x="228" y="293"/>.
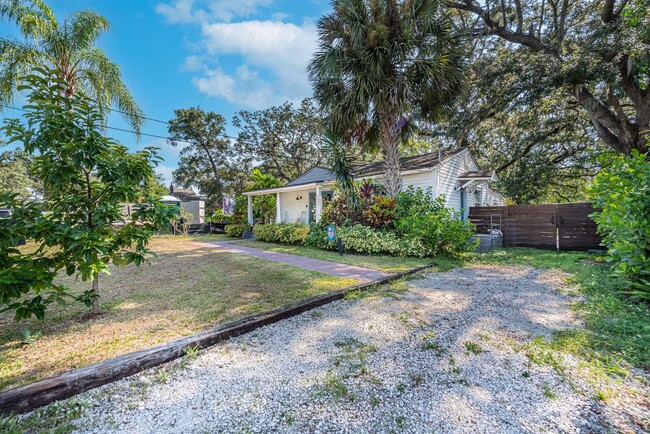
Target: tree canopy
<point x="284" y="140"/>
<point x="594" y="54"/>
<point x="207" y="157"/>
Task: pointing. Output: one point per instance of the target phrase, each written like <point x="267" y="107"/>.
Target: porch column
<point x="250" y="210"/>
<point x="278" y="208"/>
<point x="319" y="203"/>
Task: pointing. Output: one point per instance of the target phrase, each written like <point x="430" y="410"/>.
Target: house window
<point x="477" y="198"/>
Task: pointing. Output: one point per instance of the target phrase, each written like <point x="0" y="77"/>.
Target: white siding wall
<point x="450" y="170"/>
<point x="292" y="209"/>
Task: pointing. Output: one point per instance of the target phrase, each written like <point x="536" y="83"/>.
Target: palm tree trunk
<point x="95" y="307"/>
<point x="390" y="148"/>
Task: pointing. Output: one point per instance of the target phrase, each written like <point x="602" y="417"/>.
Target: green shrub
<point x="336" y="212"/>
<point x="218" y="217"/>
<point x="317" y="237"/>
<point x="237" y="230"/>
<point x="367" y="241"/>
<point x="621" y="194"/>
<point x="283" y="233"/>
<point x="417" y="201"/>
<point x="380" y="213"/>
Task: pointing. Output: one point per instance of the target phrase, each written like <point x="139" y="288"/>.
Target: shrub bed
<point x="413" y="225"/>
<point x="236" y="230"/>
<point x="283" y="233"/>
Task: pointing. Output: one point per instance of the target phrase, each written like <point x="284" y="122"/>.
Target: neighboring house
<point x="191" y="202"/>
<point x="454" y="174"/>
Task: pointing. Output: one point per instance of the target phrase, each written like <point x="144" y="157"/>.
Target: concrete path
<point x="332" y="268"/>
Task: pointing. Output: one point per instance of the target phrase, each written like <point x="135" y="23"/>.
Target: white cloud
<point x="193" y="63"/>
<point x="191" y="11"/>
<point x="182" y="11"/>
<point x="245" y="88"/>
<point x="282" y="50"/>
<point x="253" y="63"/>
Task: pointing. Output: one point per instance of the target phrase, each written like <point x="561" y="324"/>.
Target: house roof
<point x="423" y="161"/>
<point x="315" y="174"/>
<point x="478" y="174"/>
<point x="318" y="174"/>
<point x="186" y="194"/>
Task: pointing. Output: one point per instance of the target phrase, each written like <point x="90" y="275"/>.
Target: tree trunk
<point x="95" y="307"/>
<point x="390" y="149"/>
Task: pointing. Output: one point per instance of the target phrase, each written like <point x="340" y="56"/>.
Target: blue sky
<point x="220" y="55"/>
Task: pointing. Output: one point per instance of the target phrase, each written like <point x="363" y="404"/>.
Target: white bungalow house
<point x="454" y="174"/>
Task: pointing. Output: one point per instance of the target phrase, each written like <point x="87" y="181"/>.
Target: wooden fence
<point x="563" y="226"/>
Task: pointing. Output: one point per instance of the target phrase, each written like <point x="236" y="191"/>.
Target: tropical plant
<point x="380" y="63"/>
<point x="86" y="178"/>
<point x="264" y="206"/>
<point x="380" y="213"/>
<point x="69" y="48"/>
<point x="620" y="194"/>
<point x="340" y="161"/>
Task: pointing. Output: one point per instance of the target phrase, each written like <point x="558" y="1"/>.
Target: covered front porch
<point x="295" y="203"/>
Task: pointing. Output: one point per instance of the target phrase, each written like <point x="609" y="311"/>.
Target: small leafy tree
<point x="182" y="224"/>
<point x="86" y="177"/>
<point x="621" y="194"/>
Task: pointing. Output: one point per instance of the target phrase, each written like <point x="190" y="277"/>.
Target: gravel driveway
<point x="441" y="354"/>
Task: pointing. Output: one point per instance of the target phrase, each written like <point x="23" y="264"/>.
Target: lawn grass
<point x="187" y="288"/>
<point x="617" y="330"/>
<point x="388" y="264"/>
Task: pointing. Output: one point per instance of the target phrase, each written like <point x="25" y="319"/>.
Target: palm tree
<point x="263" y="205"/>
<point x="69" y="48"/>
<point x="383" y="62"/>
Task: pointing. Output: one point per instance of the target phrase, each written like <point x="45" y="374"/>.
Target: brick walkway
<point x="332" y="268"/>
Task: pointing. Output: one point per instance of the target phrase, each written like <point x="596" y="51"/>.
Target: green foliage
<point x="381" y="213"/>
<point x="218" y="217"/>
<point x="283" y="139"/>
<point x="264" y="206"/>
<point x="550" y="61"/>
<point x="236" y="230"/>
<point x="621" y="195"/>
<point x="418" y="201"/>
<point x="240" y="213"/>
<point x="14" y="173"/>
<point x="283" y="233"/>
<point x="365" y="240"/>
<point x="428" y="220"/>
<point x="336" y="211"/>
<point x="86" y="177"/>
<point x="206" y="159"/>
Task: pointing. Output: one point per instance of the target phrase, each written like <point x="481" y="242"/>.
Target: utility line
<point x="128" y="131"/>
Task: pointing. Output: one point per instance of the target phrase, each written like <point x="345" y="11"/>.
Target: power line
<point x="128" y="131"/>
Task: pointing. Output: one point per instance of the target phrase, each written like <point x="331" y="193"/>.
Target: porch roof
<point x="287" y="188"/>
